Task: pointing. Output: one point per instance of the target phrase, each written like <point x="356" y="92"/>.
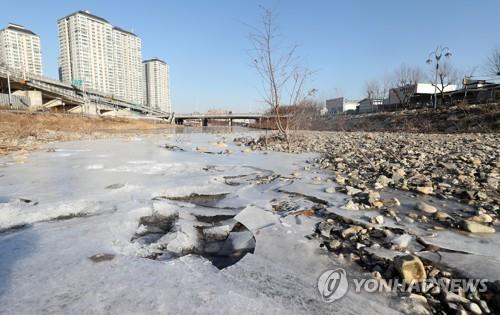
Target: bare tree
<point x="446" y="76"/>
<point x="283" y="78"/>
<point x="493" y="63"/>
<point x="404" y="80"/>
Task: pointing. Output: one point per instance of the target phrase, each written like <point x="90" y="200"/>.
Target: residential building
<point x="340" y="105"/>
<point x="157" y="84"/>
<point x="128" y="66"/>
<point x="97" y="55"/>
<point x="20" y="49"/>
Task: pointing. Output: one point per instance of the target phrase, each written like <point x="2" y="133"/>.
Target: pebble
<point x="482" y="218"/>
<point x="426" y="190"/>
<point x="424" y="207"/>
<point x="378" y="219"/>
<point x="330" y="190"/>
<point x="455" y="298"/>
<point x="350" y="205"/>
<point x="474" y="227"/>
<point x="474" y="308"/>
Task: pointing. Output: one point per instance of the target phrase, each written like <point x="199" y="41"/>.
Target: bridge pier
<point x="230" y="122"/>
<point x="204" y="122"/>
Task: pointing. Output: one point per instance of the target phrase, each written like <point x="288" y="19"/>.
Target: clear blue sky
<point x="345" y="42"/>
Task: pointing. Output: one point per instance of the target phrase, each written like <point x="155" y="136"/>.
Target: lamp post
<point x="435" y="56"/>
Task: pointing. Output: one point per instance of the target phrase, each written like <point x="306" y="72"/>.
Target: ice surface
<point x="46" y="267"/>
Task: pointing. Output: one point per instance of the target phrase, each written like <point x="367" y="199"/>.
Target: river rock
<point x="350" y="205"/>
<point x="474" y="308"/>
<point x="351" y="191"/>
<point x="455" y="298"/>
<point x="330" y="190"/>
<point x="474" y="227"/>
<point x="426" y="190"/>
<point x="424" y="207"/>
<point x="410" y="268"/>
<point x="378" y="219"/>
<point x="441" y="216"/>
<point x="482" y="218"/>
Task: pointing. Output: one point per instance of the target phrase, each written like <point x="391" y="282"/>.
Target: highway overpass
<point x="59" y="96"/>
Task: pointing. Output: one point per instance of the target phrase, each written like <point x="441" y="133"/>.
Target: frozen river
<point x="72" y="240"/>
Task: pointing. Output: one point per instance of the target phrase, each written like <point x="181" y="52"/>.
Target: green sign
<point x="78" y="83"/>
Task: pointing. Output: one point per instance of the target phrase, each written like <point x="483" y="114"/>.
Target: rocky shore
<point x="395" y="239"/>
<point x="464" y="167"/>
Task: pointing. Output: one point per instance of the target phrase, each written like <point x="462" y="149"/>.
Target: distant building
<point x="20" y="49"/>
<point x="340" y="105"/>
<point x="368" y="105"/>
<point x="128" y="66"/>
<point x="157" y="84"/>
<point x="416" y="94"/>
<point x="96" y="55"/>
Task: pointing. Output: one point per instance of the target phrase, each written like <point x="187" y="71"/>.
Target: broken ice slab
<point x="382" y="253"/>
<point x="205" y="200"/>
<point x="238" y="241"/>
<point x="313" y="192"/>
<point x="216" y="233"/>
<point x="484" y="245"/>
<point x="256" y="218"/>
<point x="467" y="265"/>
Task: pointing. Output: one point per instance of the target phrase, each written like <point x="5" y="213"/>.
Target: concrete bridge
<point x="59" y="96"/>
<point x="179" y="119"/>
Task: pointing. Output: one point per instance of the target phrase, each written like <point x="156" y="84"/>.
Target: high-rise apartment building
<point x="94" y="53"/>
<point x="20" y="49"/>
<point x="128" y="66"/>
<point x="157" y="86"/>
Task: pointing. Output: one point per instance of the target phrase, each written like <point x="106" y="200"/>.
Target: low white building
<point x="420" y="93"/>
<point x="340" y="105"/>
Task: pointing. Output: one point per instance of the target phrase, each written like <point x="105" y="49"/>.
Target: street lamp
<point x="436" y="56"/>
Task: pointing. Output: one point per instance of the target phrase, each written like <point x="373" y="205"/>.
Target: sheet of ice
<point x="314" y="191"/>
<point x="45" y="268"/>
<point x="256" y="218"/>
<point x="483" y="245"/>
<point x="467" y="265"/>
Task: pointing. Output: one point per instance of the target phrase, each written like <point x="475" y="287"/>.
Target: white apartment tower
<point x="102" y="57"/>
<point x="156" y="84"/>
<point x="20" y="49"/>
<point x="128" y="67"/>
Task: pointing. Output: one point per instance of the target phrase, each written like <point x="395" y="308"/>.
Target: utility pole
<point x="8" y="88"/>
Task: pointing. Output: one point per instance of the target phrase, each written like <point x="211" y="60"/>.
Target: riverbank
<point x="439" y="190"/>
<point x="455" y="119"/>
<point x="163" y="221"/>
<point x="27" y="131"/>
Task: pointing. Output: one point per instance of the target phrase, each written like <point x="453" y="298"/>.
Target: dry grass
<point x="24" y="131"/>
